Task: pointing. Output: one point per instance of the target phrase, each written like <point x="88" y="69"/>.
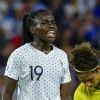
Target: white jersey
<point x="39" y="75"/>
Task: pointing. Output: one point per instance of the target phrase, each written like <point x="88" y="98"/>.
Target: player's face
<point x="91" y="79"/>
<point x="45" y="27"/>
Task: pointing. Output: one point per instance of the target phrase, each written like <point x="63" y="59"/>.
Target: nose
<point x="51" y="25"/>
<point x="88" y="84"/>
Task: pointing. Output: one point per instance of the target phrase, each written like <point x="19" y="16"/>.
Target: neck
<point x="42" y="46"/>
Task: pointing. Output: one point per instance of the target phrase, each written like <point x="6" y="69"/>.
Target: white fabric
<point x="53" y="69"/>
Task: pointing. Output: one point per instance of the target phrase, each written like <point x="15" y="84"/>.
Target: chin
<point x="51" y="41"/>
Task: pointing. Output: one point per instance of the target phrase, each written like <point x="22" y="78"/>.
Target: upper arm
<point x="66" y="77"/>
<point x="65" y="90"/>
<point x="11" y="75"/>
<point x="13" y="67"/>
<point x="9" y="86"/>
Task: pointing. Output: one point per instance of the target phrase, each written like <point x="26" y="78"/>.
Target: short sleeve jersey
<point x="39" y="75"/>
<point x="86" y="93"/>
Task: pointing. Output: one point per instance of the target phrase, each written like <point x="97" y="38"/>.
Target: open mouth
<point x="51" y="34"/>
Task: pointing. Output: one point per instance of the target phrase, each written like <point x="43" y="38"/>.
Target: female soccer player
<point x="87" y="67"/>
<point x="39" y="68"/>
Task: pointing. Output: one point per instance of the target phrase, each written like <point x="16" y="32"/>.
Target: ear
<point x="32" y="29"/>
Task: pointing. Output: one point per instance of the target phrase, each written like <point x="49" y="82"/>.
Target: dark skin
<point x="44" y="24"/>
<point x="44" y="33"/>
<point x="90" y="79"/>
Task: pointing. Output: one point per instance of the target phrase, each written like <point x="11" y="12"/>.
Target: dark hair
<point x="84" y="57"/>
<point x="27" y="22"/>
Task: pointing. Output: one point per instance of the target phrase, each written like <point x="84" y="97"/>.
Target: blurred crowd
<point x="77" y="20"/>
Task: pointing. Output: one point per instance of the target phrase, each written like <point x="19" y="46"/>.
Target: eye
<point x="47" y="22"/>
<point x="90" y="80"/>
<point x="53" y="22"/>
<point x="44" y="22"/>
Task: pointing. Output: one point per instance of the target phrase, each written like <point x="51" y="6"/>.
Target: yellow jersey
<point x="86" y="93"/>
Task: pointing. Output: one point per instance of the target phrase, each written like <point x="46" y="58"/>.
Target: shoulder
<point x="81" y="90"/>
<point x="19" y="51"/>
<point x="81" y="87"/>
<point x="61" y="54"/>
<point x="60" y="51"/>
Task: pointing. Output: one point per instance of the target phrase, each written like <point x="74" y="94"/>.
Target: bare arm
<point x="8" y="88"/>
<point x="65" y="90"/>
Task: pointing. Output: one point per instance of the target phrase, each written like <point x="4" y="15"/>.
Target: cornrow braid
<point x="26" y="34"/>
<point x="84" y="57"/>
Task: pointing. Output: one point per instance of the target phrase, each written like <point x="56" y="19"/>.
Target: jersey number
<point x="38" y="70"/>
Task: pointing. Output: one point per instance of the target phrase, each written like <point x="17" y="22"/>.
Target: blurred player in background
<point x="87" y="67"/>
<point x="40" y="69"/>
